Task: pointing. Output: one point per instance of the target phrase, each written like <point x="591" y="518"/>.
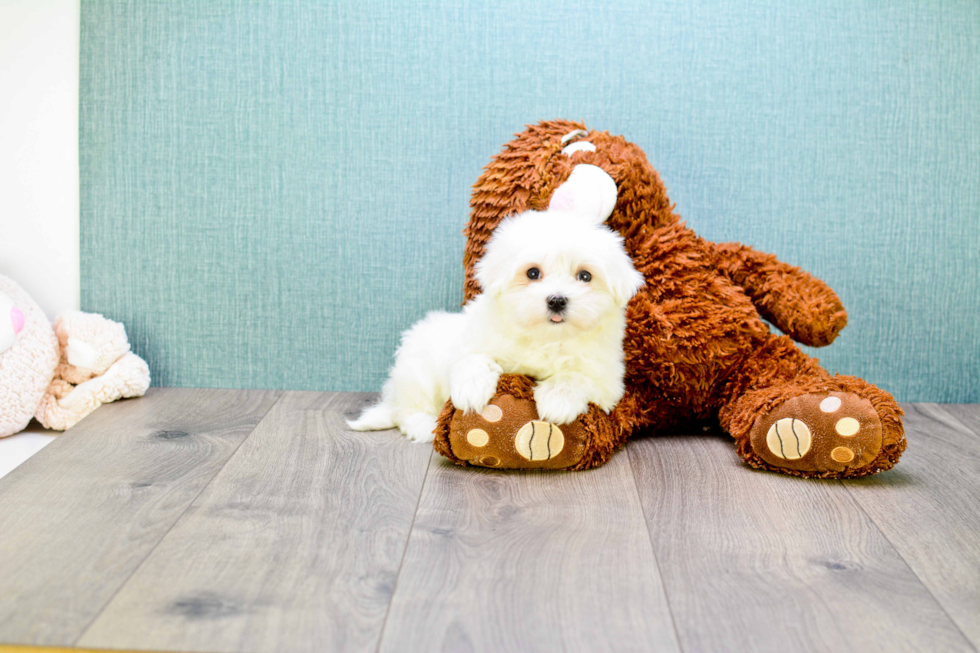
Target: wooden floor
<point x="231" y="520"/>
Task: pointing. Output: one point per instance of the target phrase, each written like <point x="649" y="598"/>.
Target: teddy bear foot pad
<point x="820" y="432"/>
<point x="508" y="434"/>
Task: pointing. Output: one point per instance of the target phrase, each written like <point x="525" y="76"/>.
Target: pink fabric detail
<point x="563" y="199"/>
<point x="16" y="319"/>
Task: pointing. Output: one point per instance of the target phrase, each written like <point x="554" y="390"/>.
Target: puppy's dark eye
<point x="534" y="274"/>
<point x="584" y="276"/>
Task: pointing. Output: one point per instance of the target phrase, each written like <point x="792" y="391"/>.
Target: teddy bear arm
<point x="64" y="404"/>
<point x="797" y="303"/>
<point x="90" y="344"/>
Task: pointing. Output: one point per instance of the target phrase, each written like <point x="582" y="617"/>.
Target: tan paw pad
<point x="492" y="413"/>
<point x="478" y="437"/>
<point x="847" y="426"/>
<point x="789" y="438"/>
<point x="539" y="440"/>
<point x="830" y="404"/>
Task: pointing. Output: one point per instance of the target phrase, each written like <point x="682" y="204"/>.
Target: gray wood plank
<point x="294" y="546"/>
<point x="929" y="508"/>
<point x="967" y="414"/>
<point x="78" y="518"/>
<point x="512" y="561"/>
<point x="764" y="562"/>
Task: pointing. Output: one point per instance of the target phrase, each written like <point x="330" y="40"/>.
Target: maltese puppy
<point x="555" y="288"/>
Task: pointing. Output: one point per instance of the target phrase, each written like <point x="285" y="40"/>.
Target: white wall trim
<point x="39" y="149"/>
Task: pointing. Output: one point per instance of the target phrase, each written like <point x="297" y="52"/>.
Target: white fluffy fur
<point x="509" y="329"/>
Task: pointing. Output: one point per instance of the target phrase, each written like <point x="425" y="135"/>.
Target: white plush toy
<point x="61" y="374"/>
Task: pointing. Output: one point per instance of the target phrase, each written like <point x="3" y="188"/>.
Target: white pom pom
<point x="589" y="191"/>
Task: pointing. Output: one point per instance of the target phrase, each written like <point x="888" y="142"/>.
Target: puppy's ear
<point x="621" y="277"/>
<point x="498" y="266"/>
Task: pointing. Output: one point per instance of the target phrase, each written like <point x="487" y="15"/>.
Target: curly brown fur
<point x="799" y="304"/>
<point x="696" y="346"/>
<point x="441" y="441"/>
<point x="604" y="439"/>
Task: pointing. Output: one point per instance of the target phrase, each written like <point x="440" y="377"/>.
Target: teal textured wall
<point x="272" y="191"/>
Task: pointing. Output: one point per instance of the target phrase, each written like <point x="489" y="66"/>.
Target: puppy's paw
<point x="473" y="395"/>
<point x="419" y="427"/>
<point x="473" y="384"/>
<point x="559" y="403"/>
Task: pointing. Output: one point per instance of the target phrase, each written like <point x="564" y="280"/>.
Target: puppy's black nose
<point x="557" y="303"/>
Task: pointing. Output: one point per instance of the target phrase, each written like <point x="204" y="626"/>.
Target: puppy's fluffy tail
<point x="375" y="418"/>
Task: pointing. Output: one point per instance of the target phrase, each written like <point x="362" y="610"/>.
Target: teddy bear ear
<point x="589" y="191"/>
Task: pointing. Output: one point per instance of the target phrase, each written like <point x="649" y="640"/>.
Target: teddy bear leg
<point x="788" y="414"/>
<point x="508" y="434"/>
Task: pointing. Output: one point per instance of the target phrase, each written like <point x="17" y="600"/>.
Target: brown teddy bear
<point x="696" y="346"/>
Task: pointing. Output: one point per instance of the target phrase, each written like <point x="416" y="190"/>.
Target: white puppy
<point x="555" y="288"/>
